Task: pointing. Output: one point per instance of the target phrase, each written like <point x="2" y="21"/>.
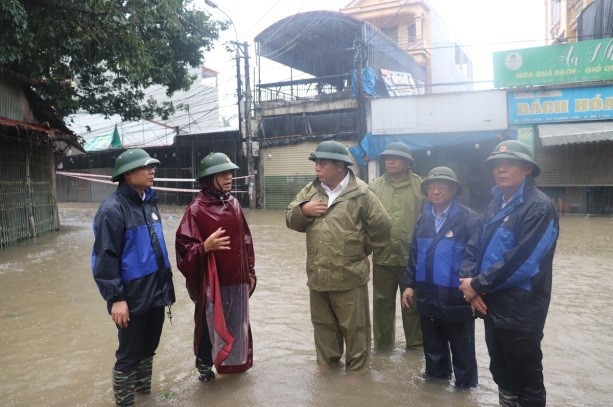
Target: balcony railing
<point x="575" y="10"/>
<point x="303" y="89"/>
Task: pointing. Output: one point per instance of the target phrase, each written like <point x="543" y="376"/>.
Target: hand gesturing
<point x="217" y="241"/>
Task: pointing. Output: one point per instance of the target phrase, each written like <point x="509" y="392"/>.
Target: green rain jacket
<point x="339" y="242"/>
<point x="403" y="203"/>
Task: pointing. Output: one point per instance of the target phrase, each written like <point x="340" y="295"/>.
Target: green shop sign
<point x="577" y="62"/>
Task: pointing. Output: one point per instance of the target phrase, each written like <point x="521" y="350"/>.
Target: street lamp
<point x="239" y="86"/>
<point x="213" y="5"/>
<point x="246" y="106"/>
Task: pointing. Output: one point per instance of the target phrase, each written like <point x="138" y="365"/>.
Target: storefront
<point x="572" y="134"/>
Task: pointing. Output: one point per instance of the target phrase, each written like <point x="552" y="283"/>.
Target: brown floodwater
<point x="57" y="342"/>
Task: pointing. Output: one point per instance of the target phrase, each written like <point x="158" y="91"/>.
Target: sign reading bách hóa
<point x="560" y="105"/>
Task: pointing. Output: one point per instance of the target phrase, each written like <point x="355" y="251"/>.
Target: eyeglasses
<point x="435" y="187"/>
<point x="149" y="168"/>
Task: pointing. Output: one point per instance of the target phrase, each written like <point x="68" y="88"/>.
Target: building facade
<point x="32" y="140"/>
<point x="456" y="129"/>
<point x="346" y="58"/>
<point x="578" y="20"/>
<point x="197" y="112"/>
<point x="415" y="26"/>
<point x="564" y="111"/>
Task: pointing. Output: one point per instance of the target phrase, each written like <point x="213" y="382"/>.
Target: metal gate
<point x="287" y="170"/>
<point x="27" y="202"/>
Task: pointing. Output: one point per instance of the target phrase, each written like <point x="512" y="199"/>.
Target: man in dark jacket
<point x="513" y="286"/>
<point x="431" y="279"/>
<point x="131" y="268"/>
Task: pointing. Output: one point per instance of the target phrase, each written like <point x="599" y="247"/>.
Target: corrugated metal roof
<point x="40" y="128"/>
<point x="44" y="130"/>
<point x="200" y="114"/>
<point x="99" y="143"/>
<point x="28" y="111"/>
<point x="321" y="43"/>
<point x="570" y="133"/>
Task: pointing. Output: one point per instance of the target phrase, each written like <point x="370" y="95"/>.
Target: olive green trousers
<point x="386" y="282"/>
<point x="341" y="318"/>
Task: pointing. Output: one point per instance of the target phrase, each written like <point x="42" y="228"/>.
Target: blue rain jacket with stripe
<point x="517" y="244"/>
<point x="436" y="262"/>
<point x="129" y="258"/>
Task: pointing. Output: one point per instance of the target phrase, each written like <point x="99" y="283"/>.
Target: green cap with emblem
<point x="130" y="160"/>
<point x="398" y="149"/>
<point x="444" y="174"/>
<point x="514" y="150"/>
<point x="214" y="163"/>
<point x="331" y="150"/>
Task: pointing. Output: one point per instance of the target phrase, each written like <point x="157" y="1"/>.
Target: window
<point x="462" y="61"/>
<point x="391" y="32"/>
<point x="412" y="32"/>
<point x="458" y="55"/>
<point x="555" y="12"/>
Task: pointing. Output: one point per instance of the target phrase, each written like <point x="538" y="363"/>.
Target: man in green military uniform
<point x="398" y="190"/>
<point x="343" y="221"/>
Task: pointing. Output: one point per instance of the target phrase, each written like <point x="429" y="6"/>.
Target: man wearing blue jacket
<point x="132" y="271"/>
<point x="431" y="279"/>
<point x="513" y="286"/>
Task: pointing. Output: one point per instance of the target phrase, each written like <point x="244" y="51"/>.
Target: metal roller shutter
<point x="576" y="165"/>
<point x="287" y="170"/>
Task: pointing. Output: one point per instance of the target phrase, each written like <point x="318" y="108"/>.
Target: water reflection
<point x="57" y="342"/>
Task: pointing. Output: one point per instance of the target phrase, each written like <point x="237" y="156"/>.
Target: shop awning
<point x="372" y="146"/>
<point x="571" y="133"/>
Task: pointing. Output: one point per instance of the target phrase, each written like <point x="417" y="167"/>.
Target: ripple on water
<point x="80" y="349"/>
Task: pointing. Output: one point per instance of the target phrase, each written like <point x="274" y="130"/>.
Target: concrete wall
<point x="447" y="113"/>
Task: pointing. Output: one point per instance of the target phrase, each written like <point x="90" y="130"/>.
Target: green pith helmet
<point x="514" y="150"/>
<point x="440" y="174"/>
<point x="130" y="160"/>
<point x="214" y="163"/>
<point x="331" y="150"/>
<point x="400" y="150"/>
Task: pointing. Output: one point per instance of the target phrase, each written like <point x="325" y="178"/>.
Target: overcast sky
<point x="481" y="26"/>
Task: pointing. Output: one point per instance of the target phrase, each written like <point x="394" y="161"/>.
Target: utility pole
<point x="359" y="66"/>
<point x="250" y="166"/>
<point x="244" y="109"/>
<point x="239" y="87"/>
<point x="361" y="126"/>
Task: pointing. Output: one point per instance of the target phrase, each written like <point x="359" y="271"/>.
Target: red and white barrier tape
<point x="70" y="174"/>
<point x="107" y="180"/>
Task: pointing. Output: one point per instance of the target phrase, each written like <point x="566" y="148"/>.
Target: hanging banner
<point x="575" y="62"/>
<point x="400" y="83"/>
<point x="560" y="105"/>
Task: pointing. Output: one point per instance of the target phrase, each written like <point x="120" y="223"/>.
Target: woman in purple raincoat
<point x="215" y="254"/>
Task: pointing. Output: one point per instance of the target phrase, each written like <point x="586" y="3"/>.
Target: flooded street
<point x="57" y="341"/>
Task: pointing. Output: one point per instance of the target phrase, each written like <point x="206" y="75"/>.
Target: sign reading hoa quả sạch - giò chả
<point x="582" y="61"/>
